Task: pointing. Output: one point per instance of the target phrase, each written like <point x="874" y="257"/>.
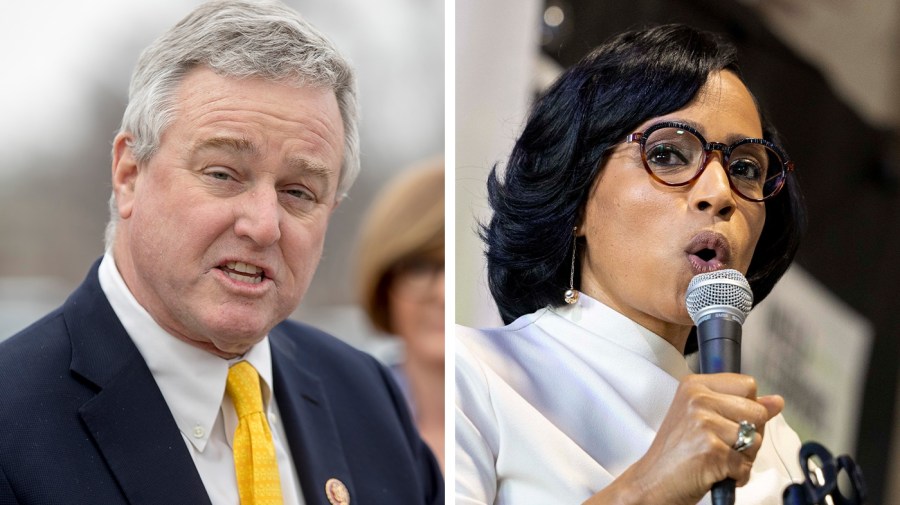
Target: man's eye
<point x="303" y="194"/>
<point x="218" y="173"/>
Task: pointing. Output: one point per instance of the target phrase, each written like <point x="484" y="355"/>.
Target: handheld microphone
<point x="719" y="303"/>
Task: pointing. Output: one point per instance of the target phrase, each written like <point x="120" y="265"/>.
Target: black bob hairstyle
<point x="633" y="77"/>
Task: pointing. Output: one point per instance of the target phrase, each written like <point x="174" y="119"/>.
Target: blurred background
<point x="67" y="68"/>
<point x="828" y="74"/>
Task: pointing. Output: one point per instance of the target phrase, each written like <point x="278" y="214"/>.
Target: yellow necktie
<point x="254" y="453"/>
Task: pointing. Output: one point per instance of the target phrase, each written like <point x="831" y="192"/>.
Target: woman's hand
<point x="693" y="448"/>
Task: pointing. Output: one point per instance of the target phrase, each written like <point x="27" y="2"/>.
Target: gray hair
<point x="236" y="38"/>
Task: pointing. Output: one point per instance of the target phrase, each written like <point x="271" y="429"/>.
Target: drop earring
<point x="571" y="294"/>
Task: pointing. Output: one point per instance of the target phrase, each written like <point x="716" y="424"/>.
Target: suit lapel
<point x="128" y="418"/>
<point x="308" y="423"/>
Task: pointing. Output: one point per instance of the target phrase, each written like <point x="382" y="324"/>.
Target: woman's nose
<point x="712" y="192"/>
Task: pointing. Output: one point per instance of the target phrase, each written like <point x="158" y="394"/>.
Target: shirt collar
<point x="191" y="380"/>
<point x="604" y="322"/>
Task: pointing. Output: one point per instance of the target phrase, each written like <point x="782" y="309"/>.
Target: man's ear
<point x="124" y="174"/>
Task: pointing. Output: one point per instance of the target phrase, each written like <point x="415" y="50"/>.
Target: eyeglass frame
<point x="787" y="166"/>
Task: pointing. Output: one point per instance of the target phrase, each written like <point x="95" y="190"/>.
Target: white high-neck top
<point x="556" y="405"/>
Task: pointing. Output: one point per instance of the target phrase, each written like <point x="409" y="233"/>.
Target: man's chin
<point x="233" y="346"/>
<point x="230" y="338"/>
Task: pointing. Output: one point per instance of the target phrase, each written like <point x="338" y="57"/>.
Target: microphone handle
<point x="722" y="492"/>
<point x="719" y="336"/>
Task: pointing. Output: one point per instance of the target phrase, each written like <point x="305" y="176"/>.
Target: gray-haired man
<point x="238" y="142"/>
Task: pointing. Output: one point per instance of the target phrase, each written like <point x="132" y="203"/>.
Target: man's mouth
<point x="243" y="272"/>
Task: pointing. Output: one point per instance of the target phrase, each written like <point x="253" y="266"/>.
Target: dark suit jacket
<point x="83" y="422"/>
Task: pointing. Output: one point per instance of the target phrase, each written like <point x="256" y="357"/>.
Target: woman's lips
<point x="708" y="251"/>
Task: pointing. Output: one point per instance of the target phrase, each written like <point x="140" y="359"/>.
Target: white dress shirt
<point x="192" y="381"/>
<point x="553" y="407"/>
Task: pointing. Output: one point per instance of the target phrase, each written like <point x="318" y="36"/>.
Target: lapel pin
<point x="337" y="492"/>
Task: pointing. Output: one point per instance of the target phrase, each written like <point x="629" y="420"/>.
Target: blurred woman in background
<point x="401" y="288"/>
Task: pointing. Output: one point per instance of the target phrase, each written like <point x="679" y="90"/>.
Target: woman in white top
<point x="654" y="152"/>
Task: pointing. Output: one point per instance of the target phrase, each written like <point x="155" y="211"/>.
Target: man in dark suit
<point x="238" y="142"/>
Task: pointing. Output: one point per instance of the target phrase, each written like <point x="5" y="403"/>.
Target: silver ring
<point x="745" y="437"/>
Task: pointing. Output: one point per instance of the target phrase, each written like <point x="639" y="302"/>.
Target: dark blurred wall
<point x="852" y="245"/>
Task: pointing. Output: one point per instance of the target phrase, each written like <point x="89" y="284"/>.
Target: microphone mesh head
<point x="726" y="289"/>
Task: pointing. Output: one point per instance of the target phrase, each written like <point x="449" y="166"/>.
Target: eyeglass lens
<point x="675" y="156"/>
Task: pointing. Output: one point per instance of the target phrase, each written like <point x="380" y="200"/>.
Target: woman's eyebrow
<point x="729" y="139"/>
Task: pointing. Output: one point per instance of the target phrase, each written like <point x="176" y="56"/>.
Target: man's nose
<point x="258" y="216"/>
